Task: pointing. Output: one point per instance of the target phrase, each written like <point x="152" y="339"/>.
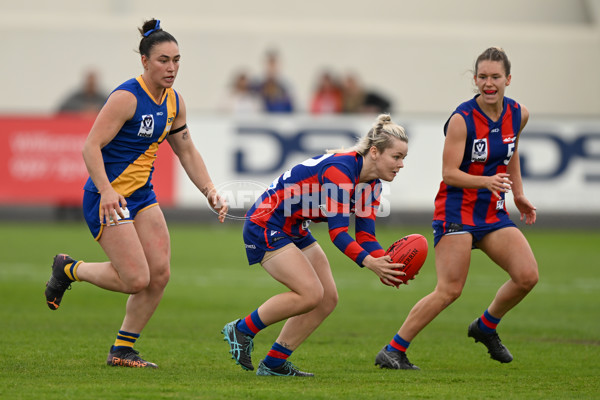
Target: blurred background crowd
<point x="333" y="93"/>
<point x="269" y="92"/>
<point x="404" y="57"/>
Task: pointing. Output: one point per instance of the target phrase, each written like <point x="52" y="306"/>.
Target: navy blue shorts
<point x="441" y="228"/>
<point x="137" y="202"/>
<point x="259" y="241"/>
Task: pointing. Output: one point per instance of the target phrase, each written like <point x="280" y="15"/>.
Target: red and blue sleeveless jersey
<point x="488" y="150"/>
<point x="129" y="157"/>
<point x="324" y="188"/>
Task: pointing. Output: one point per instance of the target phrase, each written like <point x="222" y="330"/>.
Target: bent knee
<point x="311" y="299"/>
<point x="528" y="281"/>
<point x="159" y="280"/>
<point x="330" y="301"/>
<point x="330" y="306"/>
<point x="452" y="296"/>
<point x="333" y="299"/>
<point x="136" y="284"/>
<point x="449" y="294"/>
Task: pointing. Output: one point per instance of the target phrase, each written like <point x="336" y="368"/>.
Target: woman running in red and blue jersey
<point x="119" y="203"/>
<point x="276" y="233"/>
<point x="480" y="165"/>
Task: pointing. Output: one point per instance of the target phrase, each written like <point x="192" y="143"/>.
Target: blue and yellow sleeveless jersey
<point x="129" y="157"/>
<point x="488" y="150"/>
<point x="324" y="188"/>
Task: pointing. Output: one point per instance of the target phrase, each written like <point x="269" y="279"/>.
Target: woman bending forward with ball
<point x="328" y="188"/>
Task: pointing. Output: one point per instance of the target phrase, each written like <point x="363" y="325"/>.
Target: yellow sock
<point x="126" y="339"/>
<point x="71" y="270"/>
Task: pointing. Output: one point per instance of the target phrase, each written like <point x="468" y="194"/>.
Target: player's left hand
<point x="385" y="269"/>
<point x="527" y="210"/>
<point x="219" y="204"/>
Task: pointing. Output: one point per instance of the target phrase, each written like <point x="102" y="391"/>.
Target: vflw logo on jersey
<point x="146" y="126"/>
<point x="480" y="150"/>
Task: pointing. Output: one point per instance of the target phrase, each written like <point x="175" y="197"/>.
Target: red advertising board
<point x="41" y="162"/>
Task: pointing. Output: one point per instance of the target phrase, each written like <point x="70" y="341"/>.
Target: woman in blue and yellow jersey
<point x="119" y="203"/>
<point x="480" y="165"/>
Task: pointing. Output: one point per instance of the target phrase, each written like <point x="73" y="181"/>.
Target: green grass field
<point x="554" y="333"/>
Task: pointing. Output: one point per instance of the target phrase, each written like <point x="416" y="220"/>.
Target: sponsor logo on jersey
<point x="480" y="150"/>
<point x="453" y="227"/>
<point x="146" y="126"/>
<point x="276" y="239"/>
<point x="500" y="205"/>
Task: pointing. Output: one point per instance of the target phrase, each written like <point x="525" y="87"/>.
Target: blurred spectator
<point x="274" y="92"/>
<point x="357" y="99"/>
<point x="353" y="95"/>
<point x="242" y="99"/>
<point x="376" y="103"/>
<point x="327" y="98"/>
<point x="87" y="99"/>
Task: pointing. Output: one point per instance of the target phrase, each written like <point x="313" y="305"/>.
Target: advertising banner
<point x="560" y="159"/>
<point x="41" y="161"/>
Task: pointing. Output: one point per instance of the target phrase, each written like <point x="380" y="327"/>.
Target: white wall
<point x="418" y="53"/>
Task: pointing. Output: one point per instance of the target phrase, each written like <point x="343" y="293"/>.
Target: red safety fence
<point x="41" y="162"/>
